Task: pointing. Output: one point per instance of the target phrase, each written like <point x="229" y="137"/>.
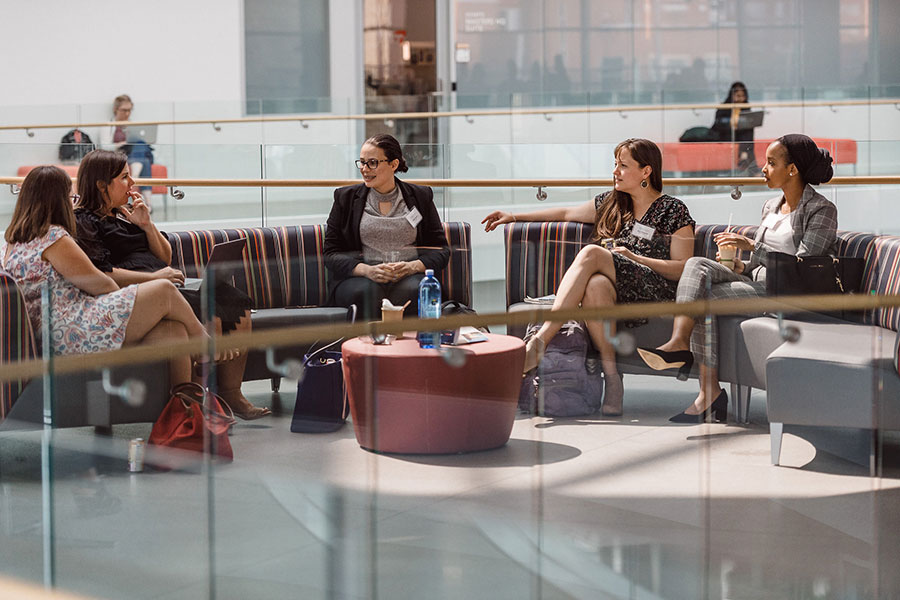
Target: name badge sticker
<point x="644" y="232"/>
<point x="414" y="217"/>
<point x="770" y="221"/>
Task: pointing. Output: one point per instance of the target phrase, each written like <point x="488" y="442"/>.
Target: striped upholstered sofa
<point x="285" y="276"/>
<point x="283" y="273"/>
<point x="839" y="373"/>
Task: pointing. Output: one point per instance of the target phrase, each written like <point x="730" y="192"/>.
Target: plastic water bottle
<point x="429" y="308"/>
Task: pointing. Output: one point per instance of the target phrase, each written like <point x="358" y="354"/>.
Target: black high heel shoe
<point x="717" y="411"/>
<point x="660" y="360"/>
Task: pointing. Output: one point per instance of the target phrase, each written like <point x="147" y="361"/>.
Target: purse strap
<point x="209" y="413"/>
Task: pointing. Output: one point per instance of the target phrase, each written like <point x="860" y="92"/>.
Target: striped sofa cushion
<point x="456" y="278"/>
<point x="285" y="266"/>
<point x="537" y="255"/>
<point x="16" y="339"/>
<point x="273" y="274"/>
<point x="882" y="276"/>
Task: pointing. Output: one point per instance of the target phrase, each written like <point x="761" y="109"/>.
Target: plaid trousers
<point x="706" y="279"/>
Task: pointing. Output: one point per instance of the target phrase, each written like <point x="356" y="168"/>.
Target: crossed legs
<point x="160" y="312"/>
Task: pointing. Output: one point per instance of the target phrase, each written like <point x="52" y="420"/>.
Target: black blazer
<point x="343" y="247"/>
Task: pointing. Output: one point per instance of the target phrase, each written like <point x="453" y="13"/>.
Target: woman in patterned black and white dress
<point x="653" y="236"/>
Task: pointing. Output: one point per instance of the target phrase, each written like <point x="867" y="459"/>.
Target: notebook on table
<point x="223" y="259"/>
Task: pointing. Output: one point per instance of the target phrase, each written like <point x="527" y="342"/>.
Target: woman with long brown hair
<point x="90" y="313"/>
<point x="652" y="236"/>
<point x="116" y="232"/>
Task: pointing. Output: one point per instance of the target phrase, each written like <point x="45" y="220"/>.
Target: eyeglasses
<point x="372" y="163"/>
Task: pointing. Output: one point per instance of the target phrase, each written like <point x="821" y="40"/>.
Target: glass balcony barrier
<point x="629" y="506"/>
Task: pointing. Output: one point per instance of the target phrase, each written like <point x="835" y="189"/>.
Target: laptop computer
<point x="223" y="259"/>
<point x="141" y="133"/>
<point x="749" y="120"/>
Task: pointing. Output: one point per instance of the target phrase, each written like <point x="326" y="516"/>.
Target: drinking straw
<point x="730" y="217"/>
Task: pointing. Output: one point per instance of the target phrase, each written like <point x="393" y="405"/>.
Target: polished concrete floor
<point x="570" y="508"/>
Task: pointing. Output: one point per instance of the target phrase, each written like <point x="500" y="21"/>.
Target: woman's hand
<point x="173" y="275"/>
<point x="139" y="213"/>
<point x="378" y="273"/>
<point x="622" y="250"/>
<point x="497" y="218"/>
<point x="734" y="239"/>
<point x="399" y="270"/>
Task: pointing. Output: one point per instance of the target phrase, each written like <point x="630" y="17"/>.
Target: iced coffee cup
<point x="726" y="255"/>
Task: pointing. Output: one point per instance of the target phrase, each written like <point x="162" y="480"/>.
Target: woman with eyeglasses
<point x="641" y="241"/>
<point x="382" y="234"/>
<point x="89" y="312"/>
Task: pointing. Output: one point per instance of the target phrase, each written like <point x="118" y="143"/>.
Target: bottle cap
<point x="429" y="272"/>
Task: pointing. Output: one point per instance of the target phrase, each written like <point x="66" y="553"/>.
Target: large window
<point x="287" y="62"/>
<point x="575" y="51"/>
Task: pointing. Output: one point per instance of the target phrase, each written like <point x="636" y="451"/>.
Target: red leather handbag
<point x="187" y="423"/>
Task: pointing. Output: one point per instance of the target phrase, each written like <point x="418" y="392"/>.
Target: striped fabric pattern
<point x="882" y="276"/>
<point x="16" y="339"/>
<point x="456" y="278"/>
<point x="537" y="255"/>
<point x="285" y="266"/>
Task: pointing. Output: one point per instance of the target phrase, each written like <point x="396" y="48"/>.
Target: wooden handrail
<point x="291" y="336"/>
<point x="459" y="112"/>
<point x="484" y="183"/>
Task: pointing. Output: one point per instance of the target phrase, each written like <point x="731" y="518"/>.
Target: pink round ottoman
<point x="407" y="399"/>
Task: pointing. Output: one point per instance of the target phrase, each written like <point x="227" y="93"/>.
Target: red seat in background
<point x="695" y="157"/>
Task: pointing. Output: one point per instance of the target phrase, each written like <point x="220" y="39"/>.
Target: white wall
<point x="66" y="52"/>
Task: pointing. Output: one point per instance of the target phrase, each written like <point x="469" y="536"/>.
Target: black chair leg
<point x="276" y="383"/>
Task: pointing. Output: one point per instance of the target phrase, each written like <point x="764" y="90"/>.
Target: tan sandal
<point x="243" y="408"/>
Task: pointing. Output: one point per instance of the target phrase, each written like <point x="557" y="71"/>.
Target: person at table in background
<point x="115" y="137"/>
<point x="800" y="221"/>
<point x="116" y="232"/>
<point x="90" y="312"/>
<point x="652" y="236"/>
<point x="382" y="234"/>
<point x="726" y="125"/>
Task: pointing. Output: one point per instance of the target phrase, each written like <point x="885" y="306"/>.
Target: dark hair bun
<point x="820" y="170"/>
<point x="813" y="163"/>
<point x="391" y="148"/>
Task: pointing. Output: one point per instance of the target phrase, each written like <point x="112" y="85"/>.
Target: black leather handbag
<point x="789" y="275"/>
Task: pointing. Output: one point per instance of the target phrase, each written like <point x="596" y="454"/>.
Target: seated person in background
<point x="123" y="241"/>
<point x="650" y="234"/>
<point x="114" y="137"/>
<point x="726" y="127"/>
<point x="799" y="221"/>
<point x="382" y="234"/>
<point x="90" y="313"/>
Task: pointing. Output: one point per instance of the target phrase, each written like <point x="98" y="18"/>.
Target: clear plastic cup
<point x="727" y="253"/>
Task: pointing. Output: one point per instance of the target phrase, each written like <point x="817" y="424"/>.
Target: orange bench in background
<point x="693" y="157"/>
<point x="156" y="172"/>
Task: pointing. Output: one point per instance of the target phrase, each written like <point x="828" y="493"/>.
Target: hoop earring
<point x="644" y="183"/>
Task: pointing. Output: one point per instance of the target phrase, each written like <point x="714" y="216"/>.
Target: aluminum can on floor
<point x="136" y="455"/>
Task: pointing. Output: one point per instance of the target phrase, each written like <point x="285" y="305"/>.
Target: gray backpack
<point x="569" y="381"/>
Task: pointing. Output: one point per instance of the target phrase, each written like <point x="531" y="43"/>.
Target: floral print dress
<point x="639" y="283"/>
<point x="80" y="323"/>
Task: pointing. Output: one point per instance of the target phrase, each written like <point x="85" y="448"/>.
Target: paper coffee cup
<point x="392" y="314"/>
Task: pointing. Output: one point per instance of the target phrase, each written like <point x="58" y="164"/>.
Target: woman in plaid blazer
<point x="800" y="221"/>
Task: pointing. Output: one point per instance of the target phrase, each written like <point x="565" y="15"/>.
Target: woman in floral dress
<point x="88" y="311"/>
<point x="652" y="236"/>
